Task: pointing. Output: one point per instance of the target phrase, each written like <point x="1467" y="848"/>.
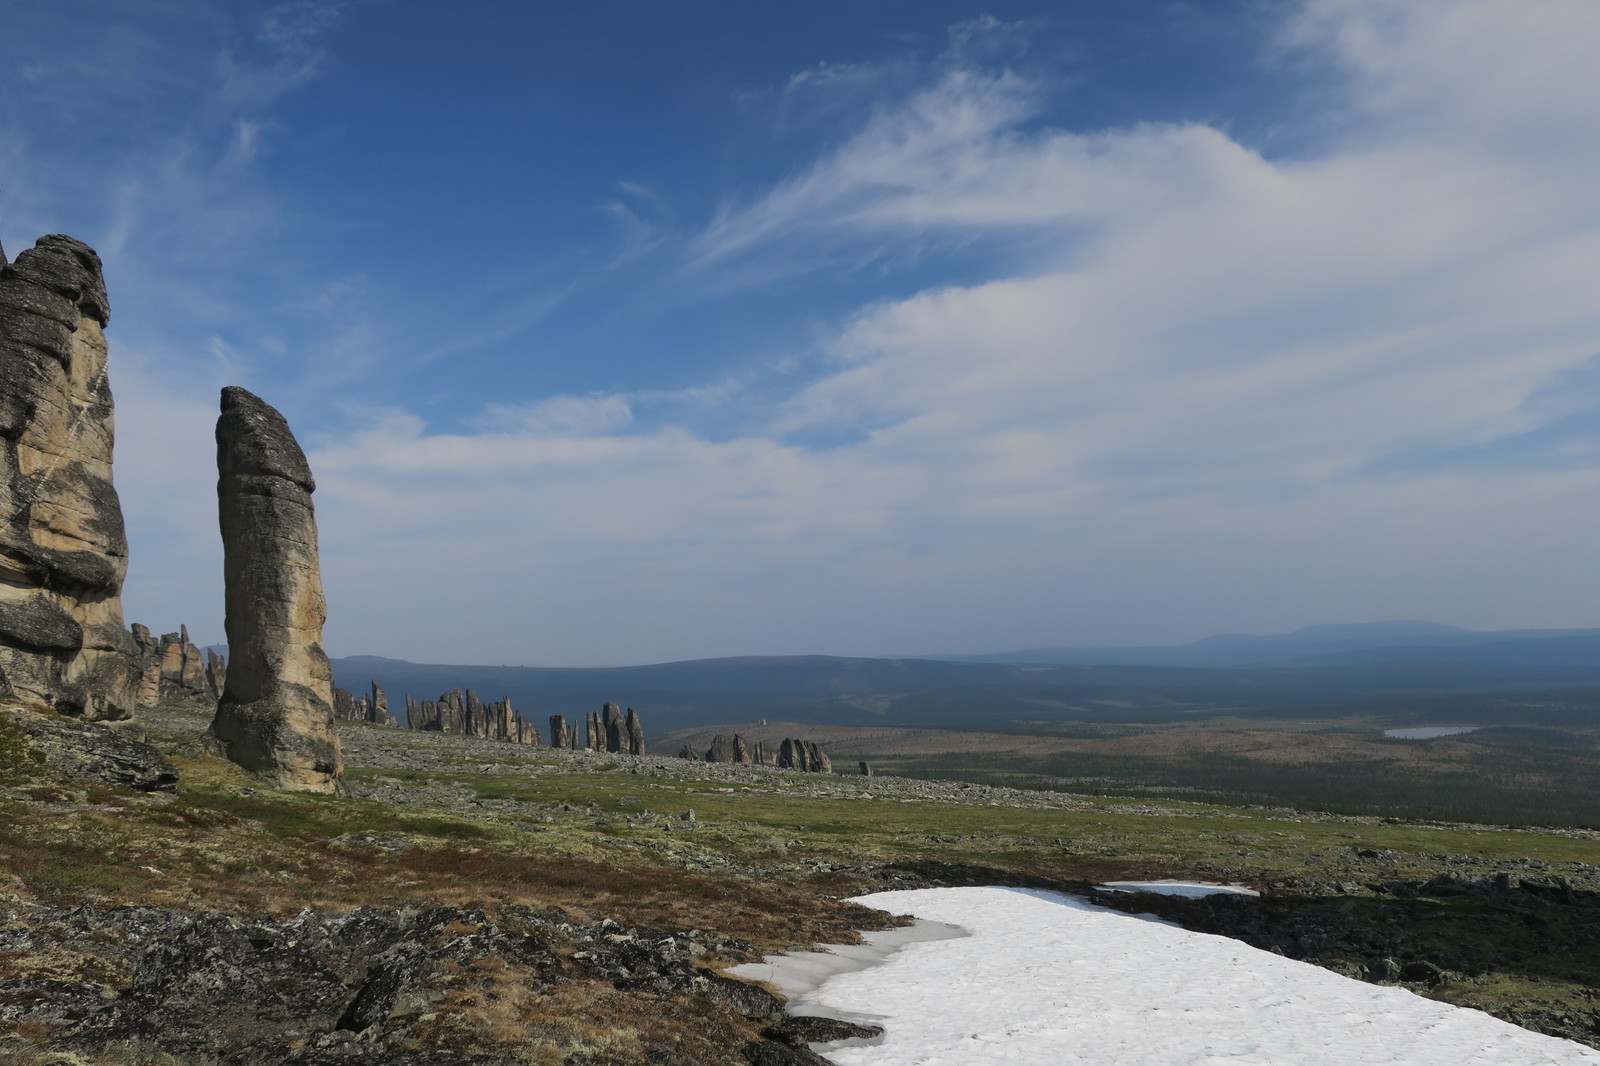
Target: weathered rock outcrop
<point x="88" y="751"/>
<point x="461" y="714"/>
<point x="562" y="735"/>
<point x="730" y="749"/>
<point x="617" y="732"/>
<point x="372" y="708"/>
<point x="795" y="754"/>
<point x="63" y="552"/>
<point x="594" y="731"/>
<point x="275" y="717"/>
<point x="173" y="666"/>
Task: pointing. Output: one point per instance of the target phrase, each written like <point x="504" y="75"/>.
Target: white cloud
<point x="1171" y="418"/>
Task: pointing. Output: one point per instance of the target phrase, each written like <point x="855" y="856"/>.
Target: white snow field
<point x="1045" y="979"/>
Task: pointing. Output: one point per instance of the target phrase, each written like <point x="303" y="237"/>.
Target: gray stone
<point x="275" y="717"/>
<point x="63" y="552"/>
<point x="106" y="754"/>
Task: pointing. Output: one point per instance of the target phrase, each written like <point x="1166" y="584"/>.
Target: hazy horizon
<point x="639" y="333"/>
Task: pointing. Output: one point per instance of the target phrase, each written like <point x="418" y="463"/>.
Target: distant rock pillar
<point x="634" y="730"/>
<point x="63" y="551"/>
<point x="275" y="717"/>
<point x="380" y="706"/>
<point x="216" y="674"/>
<point x="866" y="771"/>
<point x="611" y="719"/>
<point x="594" y="732"/>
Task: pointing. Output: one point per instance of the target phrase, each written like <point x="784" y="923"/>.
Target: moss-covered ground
<point x="769" y="865"/>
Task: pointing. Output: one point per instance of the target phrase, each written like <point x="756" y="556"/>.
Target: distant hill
<point x="1012" y="697"/>
<point x="1369" y="642"/>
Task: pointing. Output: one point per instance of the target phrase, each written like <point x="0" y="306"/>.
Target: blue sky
<point x="633" y="331"/>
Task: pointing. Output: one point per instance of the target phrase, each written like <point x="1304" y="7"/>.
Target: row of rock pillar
<point x="460" y="713"/>
<point x="370" y="707"/>
<point x="608" y="729"/>
<point x="173" y="666"/>
<point x="792" y="754"/>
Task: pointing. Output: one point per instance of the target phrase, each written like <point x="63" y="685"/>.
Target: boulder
<point x="63" y="551"/>
<point x="103" y="753"/>
<point x="275" y="717"/>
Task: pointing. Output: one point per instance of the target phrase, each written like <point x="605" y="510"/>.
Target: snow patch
<point x="1044" y="979"/>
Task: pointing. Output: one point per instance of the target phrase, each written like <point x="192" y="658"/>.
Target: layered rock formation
<point x="562" y="735"/>
<point x="173" y="666"/>
<point x="460" y="713"/>
<point x="63" y="552"/>
<point x="275" y="717"/>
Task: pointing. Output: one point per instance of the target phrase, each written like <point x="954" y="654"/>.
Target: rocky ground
<point x="479" y="902"/>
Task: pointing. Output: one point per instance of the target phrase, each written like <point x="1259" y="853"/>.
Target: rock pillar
<point x="634" y="730"/>
<point x="380" y="706"/>
<point x="275" y="717"/>
<point x="611" y="721"/>
<point x="63" y="552"/>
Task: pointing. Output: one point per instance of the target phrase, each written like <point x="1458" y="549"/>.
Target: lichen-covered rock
<point x="106" y="754"/>
<point x="275" y="717"/>
<point x="63" y="552"/>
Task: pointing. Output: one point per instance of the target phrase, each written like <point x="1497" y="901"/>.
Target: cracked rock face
<point x="275" y="717"/>
<point x="63" y="552"/>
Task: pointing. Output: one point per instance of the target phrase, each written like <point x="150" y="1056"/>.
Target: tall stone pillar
<point x="275" y="717"/>
<point x="63" y="552"/>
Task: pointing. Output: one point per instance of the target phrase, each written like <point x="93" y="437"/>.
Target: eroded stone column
<point x="275" y="717"/>
<point x="63" y="552"/>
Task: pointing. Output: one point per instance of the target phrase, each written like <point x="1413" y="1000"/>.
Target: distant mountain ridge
<point x="1367" y="642"/>
<point x="1221" y="675"/>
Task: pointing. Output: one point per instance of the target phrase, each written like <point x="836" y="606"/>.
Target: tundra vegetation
<point x="570" y="907"/>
